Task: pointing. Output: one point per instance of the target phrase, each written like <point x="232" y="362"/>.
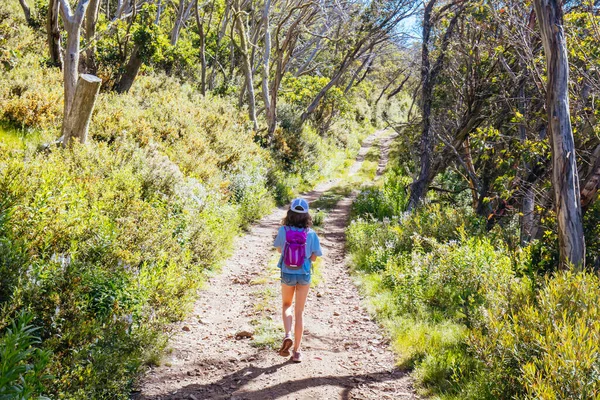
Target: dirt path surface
<point x="345" y="354"/>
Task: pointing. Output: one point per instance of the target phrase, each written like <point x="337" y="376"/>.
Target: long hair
<point x="297" y="220"/>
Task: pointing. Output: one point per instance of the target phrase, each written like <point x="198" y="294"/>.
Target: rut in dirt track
<point x="345" y="353"/>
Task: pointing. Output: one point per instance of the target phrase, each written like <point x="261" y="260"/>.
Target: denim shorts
<point x="295" y="279"/>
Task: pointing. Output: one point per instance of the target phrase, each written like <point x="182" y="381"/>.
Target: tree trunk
<point x="131" y="70"/>
<point x="592" y="181"/>
<point x="200" y="25"/>
<point x="72" y="22"/>
<point x="564" y="164"/>
<point x="27" y="12"/>
<point x="366" y="62"/>
<point x="178" y="22"/>
<point x="310" y="58"/>
<point x="220" y="35"/>
<point x="71" y="65"/>
<point x="420" y="185"/>
<point x="246" y="66"/>
<point x="317" y="100"/>
<point x="53" y="34"/>
<point x="270" y="107"/>
<point x="528" y="214"/>
<point x="429" y="75"/>
<point x="91" y="18"/>
<point x="76" y="124"/>
<point x="159" y="10"/>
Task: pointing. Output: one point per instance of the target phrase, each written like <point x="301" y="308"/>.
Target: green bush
<point x="451" y="281"/>
<point x="469" y="311"/>
<point x="386" y="202"/>
<point x="547" y="346"/>
<point x="22" y="365"/>
<point x="249" y="189"/>
<point x="372" y="243"/>
<point x="105" y="244"/>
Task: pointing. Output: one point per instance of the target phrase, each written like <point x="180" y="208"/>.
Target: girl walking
<point x="299" y="247"/>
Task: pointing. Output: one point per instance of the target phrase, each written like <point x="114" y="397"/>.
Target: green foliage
<point x="591" y="228"/>
<point x="385" y="202"/>
<point x="467" y="312"/>
<point x="31" y="99"/>
<point x="547" y="346"/>
<point x="249" y="190"/>
<point x="115" y="236"/>
<point x="23" y="366"/>
<point x="318" y="218"/>
<point x="430" y="291"/>
<point x="115" y="239"/>
<point x="105" y="245"/>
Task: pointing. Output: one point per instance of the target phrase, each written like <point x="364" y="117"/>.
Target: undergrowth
<point x="465" y="308"/>
<point x="106" y="245"/>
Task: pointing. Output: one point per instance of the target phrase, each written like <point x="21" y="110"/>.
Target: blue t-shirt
<point x="312" y="247"/>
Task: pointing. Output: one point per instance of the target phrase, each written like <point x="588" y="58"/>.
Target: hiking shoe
<point x="297" y="357"/>
<point x="284" y="351"/>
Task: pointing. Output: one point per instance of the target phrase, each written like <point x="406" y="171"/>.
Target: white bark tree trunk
<point x="565" y="177"/>
<point x="269" y="108"/>
<point x="178" y="21"/>
<point x="246" y="65"/>
<point x="72" y="21"/>
<point x="91" y="18"/>
<point x="27" y="12"/>
<point x="76" y="124"/>
<point x="183" y="13"/>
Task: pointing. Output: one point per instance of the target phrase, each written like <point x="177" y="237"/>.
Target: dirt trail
<point x="345" y="354"/>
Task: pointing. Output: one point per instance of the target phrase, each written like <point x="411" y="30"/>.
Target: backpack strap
<point x="312" y="266"/>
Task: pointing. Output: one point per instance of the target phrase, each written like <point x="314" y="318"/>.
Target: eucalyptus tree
<point x="27" y="12"/>
<point x="290" y="23"/>
<point x="72" y="20"/>
<point x="565" y="177"/>
<point x="432" y="16"/>
<point x="53" y="34"/>
<point x="368" y="26"/>
<point x="240" y="21"/>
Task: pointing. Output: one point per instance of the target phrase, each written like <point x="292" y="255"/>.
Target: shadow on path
<point x="231" y="386"/>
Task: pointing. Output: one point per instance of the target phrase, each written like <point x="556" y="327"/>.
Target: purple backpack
<point x="294" y="251"/>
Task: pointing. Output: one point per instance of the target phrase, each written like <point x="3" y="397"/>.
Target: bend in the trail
<point x="345" y="353"/>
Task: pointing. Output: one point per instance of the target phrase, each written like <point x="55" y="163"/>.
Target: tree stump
<point x="76" y="124"/>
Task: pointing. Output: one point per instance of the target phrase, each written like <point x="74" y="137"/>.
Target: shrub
<point x="469" y="314"/>
<point x="106" y="244"/>
<point x="431" y="274"/>
<point x="388" y="201"/>
<point x="22" y="364"/>
<point x="248" y="186"/>
<point x="547" y="347"/>
<point x="373" y="243"/>
<point x="31" y="97"/>
<point x="112" y="242"/>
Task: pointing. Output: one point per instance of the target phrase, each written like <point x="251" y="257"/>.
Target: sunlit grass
<point x="263" y="299"/>
<point x="267" y="334"/>
<point x="328" y="200"/>
<point x="10" y="137"/>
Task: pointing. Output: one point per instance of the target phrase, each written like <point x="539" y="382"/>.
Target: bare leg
<point x="301" y="295"/>
<point x="287" y="296"/>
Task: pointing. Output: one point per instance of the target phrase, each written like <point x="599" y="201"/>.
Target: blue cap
<point x="299" y="205"/>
